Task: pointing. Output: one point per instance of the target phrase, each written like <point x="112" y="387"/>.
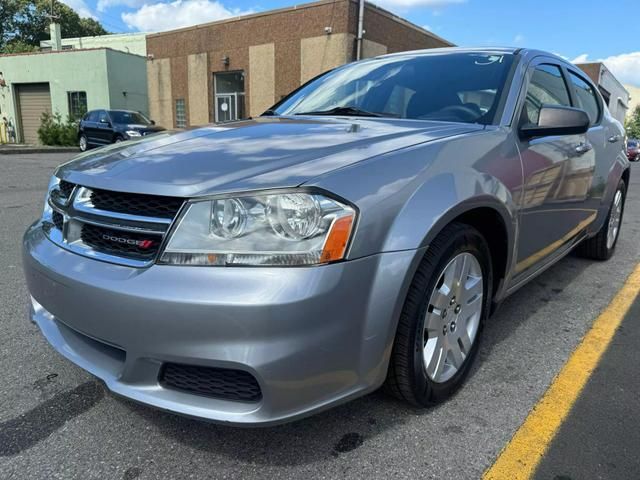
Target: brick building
<point x="239" y="67"/>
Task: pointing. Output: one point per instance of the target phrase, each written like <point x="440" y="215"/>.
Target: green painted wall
<point x="103" y="74"/>
<point x="127" y="73"/>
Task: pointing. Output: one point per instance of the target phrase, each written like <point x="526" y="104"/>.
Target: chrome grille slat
<point x="118" y="237"/>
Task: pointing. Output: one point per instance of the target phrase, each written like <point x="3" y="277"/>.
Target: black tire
<point x="118" y="139"/>
<point x="407" y="377"/>
<point x="596" y="247"/>
<point x="84" y="146"/>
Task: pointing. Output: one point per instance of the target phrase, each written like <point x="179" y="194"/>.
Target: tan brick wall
<point x="300" y="49"/>
<point x="397" y="34"/>
<point x="160" y="94"/>
<point x="198" y="88"/>
<point x="319" y="54"/>
<point x="372" y="49"/>
<point x="261" y="78"/>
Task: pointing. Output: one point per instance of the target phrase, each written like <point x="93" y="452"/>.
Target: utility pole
<point x="360" y="29"/>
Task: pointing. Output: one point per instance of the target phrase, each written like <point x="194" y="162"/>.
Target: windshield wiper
<point x="349" y="111"/>
<point x="269" y="113"/>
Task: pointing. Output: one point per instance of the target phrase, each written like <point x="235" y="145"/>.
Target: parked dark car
<point x="633" y="150"/>
<point x="102" y="127"/>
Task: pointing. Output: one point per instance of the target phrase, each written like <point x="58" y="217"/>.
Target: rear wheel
<point x="442" y="319"/>
<point x="601" y="246"/>
<point x="82" y="142"/>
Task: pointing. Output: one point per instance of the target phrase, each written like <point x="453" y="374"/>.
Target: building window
<point x="77" y="104"/>
<point x="229" y="96"/>
<point x="181" y="114"/>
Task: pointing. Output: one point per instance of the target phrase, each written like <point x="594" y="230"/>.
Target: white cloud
<point x="626" y="66"/>
<point x="80" y="8"/>
<point x="177" y="14"/>
<point x="102" y="5"/>
<point x="407" y="4"/>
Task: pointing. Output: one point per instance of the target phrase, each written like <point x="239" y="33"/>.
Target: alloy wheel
<point x="453" y="317"/>
<point x="614" y="219"/>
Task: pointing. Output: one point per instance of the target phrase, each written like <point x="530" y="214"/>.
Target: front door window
<point x="229" y="96"/>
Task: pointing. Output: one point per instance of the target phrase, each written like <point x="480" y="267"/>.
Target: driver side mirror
<point x="557" y="120"/>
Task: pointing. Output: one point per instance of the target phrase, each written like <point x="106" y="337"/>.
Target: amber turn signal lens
<point x="335" y="246"/>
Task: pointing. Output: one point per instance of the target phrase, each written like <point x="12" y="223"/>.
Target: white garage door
<point x="33" y="100"/>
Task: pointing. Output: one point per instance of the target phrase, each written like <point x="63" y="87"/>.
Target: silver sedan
<point x="359" y="233"/>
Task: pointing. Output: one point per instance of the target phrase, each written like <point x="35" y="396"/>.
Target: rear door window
<point x="547" y="87"/>
<point x="586" y="97"/>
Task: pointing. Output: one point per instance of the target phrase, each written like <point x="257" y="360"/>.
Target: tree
<point x="632" y="123"/>
<point x="24" y="23"/>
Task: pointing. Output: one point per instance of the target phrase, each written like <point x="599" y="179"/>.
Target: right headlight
<point x="291" y="228"/>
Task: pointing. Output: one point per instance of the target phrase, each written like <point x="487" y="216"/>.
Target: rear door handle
<point x="583" y="148"/>
<point x="614" y="138"/>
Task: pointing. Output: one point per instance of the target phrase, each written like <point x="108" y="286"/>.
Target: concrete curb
<point x="25" y="150"/>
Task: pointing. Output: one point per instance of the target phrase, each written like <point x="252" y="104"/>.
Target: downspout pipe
<point x="360" y="30"/>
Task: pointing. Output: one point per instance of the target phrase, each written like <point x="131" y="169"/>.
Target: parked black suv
<point x="101" y="127"/>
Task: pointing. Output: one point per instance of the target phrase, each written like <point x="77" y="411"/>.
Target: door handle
<point x="614" y="138"/>
<point x="583" y="148"/>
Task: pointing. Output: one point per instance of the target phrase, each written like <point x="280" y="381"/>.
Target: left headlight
<point x="133" y="133"/>
<point x="276" y="229"/>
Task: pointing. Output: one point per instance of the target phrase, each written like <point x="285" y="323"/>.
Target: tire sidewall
<point x="86" y="144"/>
<point x="468" y="241"/>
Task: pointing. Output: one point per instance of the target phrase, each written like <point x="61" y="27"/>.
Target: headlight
<point x="47" y="214"/>
<point x="278" y="229"/>
<point x="133" y="133"/>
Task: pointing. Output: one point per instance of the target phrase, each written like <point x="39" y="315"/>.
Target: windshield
<point x="632" y="144"/>
<point x="457" y="87"/>
<point x="128" y="118"/>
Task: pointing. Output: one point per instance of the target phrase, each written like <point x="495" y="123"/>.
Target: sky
<point x="576" y="29"/>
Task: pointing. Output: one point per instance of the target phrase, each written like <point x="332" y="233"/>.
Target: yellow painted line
<point x="520" y="457"/>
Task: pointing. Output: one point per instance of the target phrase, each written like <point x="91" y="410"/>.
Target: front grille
<point x="58" y="220"/>
<point x="139" y="246"/>
<point x="66" y="188"/>
<point x="213" y="382"/>
<point x="118" y="227"/>
<point x="136" y="204"/>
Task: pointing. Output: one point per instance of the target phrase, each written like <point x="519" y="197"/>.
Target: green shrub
<point x="53" y="131"/>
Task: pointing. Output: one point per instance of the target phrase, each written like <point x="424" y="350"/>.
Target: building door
<point x="33" y="99"/>
<point x="229" y="96"/>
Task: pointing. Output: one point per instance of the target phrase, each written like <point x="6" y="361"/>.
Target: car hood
<point x="267" y="152"/>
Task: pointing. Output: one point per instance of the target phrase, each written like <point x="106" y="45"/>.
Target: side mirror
<point x="557" y="120"/>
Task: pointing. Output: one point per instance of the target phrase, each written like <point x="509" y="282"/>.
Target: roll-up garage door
<point x="33" y="100"/>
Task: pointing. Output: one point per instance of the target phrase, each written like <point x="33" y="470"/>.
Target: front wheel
<point x="83" y="143"/>
<point x="442" y="319"/>
<point x="601" y="246"/>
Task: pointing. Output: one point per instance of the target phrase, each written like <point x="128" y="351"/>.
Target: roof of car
<point x="525" y="52"/>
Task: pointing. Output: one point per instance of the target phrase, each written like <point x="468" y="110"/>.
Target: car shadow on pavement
<point x="349" y="426"/>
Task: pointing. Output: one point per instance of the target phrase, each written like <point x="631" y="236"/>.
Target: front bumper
<point x="312" y="336"/>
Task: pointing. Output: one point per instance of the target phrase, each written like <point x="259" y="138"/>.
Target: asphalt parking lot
<point x="56" y="421"/>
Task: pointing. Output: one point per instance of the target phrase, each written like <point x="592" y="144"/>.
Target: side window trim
<point x="534" y="64"/>
<point x="524" y="86"/>
<point x="574" y="96"/>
